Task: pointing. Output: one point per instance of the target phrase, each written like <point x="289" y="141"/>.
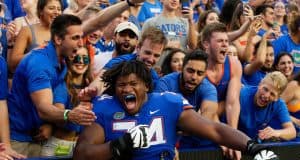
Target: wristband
<point x="129" y="3"/>
<point x="66" y="112"/>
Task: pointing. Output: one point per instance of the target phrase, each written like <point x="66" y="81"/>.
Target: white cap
<point x="127" y="25"/>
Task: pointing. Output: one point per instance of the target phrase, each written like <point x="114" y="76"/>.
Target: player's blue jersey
<point x="161" y="112"/>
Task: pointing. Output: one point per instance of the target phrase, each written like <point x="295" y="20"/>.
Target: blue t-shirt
<point x="205" y="90"/>
<point x="149" y="10"/>
<point x="61" y="95"/>
<point x="3" y="79"/>
<point x="286" y="44"/>
<point x="161" y="112"/>
<point x="253" y="79"/>
<point x="254" y="118"/>
<point x="14" y="8"/>
<point x="129" y="57"/>
<point x="38" y="70"/>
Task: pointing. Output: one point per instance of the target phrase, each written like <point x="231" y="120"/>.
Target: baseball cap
<point x="127" y="25"/>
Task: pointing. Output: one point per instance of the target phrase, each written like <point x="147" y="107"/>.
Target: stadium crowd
<point x="144" y="79"/>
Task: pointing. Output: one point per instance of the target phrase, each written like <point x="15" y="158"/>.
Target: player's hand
<point x="139" y="136"/>
<point x="82" y="114"/>
<point x="260" y="152"/>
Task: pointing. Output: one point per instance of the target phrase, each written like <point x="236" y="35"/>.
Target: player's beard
<point x="120" y="51"/>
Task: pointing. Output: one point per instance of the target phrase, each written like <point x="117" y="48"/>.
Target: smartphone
<point x="185" y="3"/>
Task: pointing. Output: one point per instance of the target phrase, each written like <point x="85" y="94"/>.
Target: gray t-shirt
<point x="175" y="29"/>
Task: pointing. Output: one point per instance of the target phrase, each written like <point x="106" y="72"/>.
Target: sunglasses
<point x="77" y="59"/>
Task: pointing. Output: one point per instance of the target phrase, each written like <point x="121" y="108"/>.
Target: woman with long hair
<point x="34" y="35"/>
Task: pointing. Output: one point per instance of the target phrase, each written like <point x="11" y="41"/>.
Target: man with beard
<point x="148" y="51"/>
<point x="263" y="59"/>
<point x="192" y="85"/>
<point x="261" y="108"/>
<point x="268" y="23"/>
<point x="225" y="73"/>
<point x="125" y="40"/>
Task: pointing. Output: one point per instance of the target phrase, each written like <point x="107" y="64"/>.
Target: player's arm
<point x="90" y="144"/>
<point x="232" y="103"/>
<point x="193" y="123"/>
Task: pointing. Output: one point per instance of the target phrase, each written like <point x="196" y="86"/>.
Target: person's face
<point x="269" y="17"/>
<point x="171" y="4"/>
<point x="80" y="62"/>
<point x="176" y="61"/>
<point x="149" y="52"/>
<point x="217" y="46"/>
<point x="279" y="9"/>
<point x="94" y="36"/>
<point x="71" y="42"/>
<point x="25" y="4"/>
<point x="193" y="73"/>
<point x="124" y="16"/>
<point x="126" y="41"/>
<point x="269" y="58"/>
<point x="51" y="11"/>
<point x="232" y="51"/>
<point x="266" y="94"/>
<point x="285" y="66"/>
<point x="134" y="86"/>
<point x="212" y="18"/>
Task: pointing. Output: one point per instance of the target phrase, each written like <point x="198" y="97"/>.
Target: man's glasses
<point x="77" y="59"/>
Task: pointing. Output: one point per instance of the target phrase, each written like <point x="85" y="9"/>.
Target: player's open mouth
<point x="130" y="101"/>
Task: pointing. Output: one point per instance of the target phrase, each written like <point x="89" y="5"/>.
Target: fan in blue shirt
<point x="261" y="108"/>
<point x="193" y="86"/>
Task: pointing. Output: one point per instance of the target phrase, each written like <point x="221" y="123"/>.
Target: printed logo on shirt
<point x="178" y="30"/>
<point x="119" y="115"/>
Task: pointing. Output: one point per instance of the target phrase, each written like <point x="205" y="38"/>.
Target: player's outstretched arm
<point x="195" y="124"/>
<point x="216" y="132"/>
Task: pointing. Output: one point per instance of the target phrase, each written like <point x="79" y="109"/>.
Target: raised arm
<point x="259" y="60"/>
<point x="105" y="16"/>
